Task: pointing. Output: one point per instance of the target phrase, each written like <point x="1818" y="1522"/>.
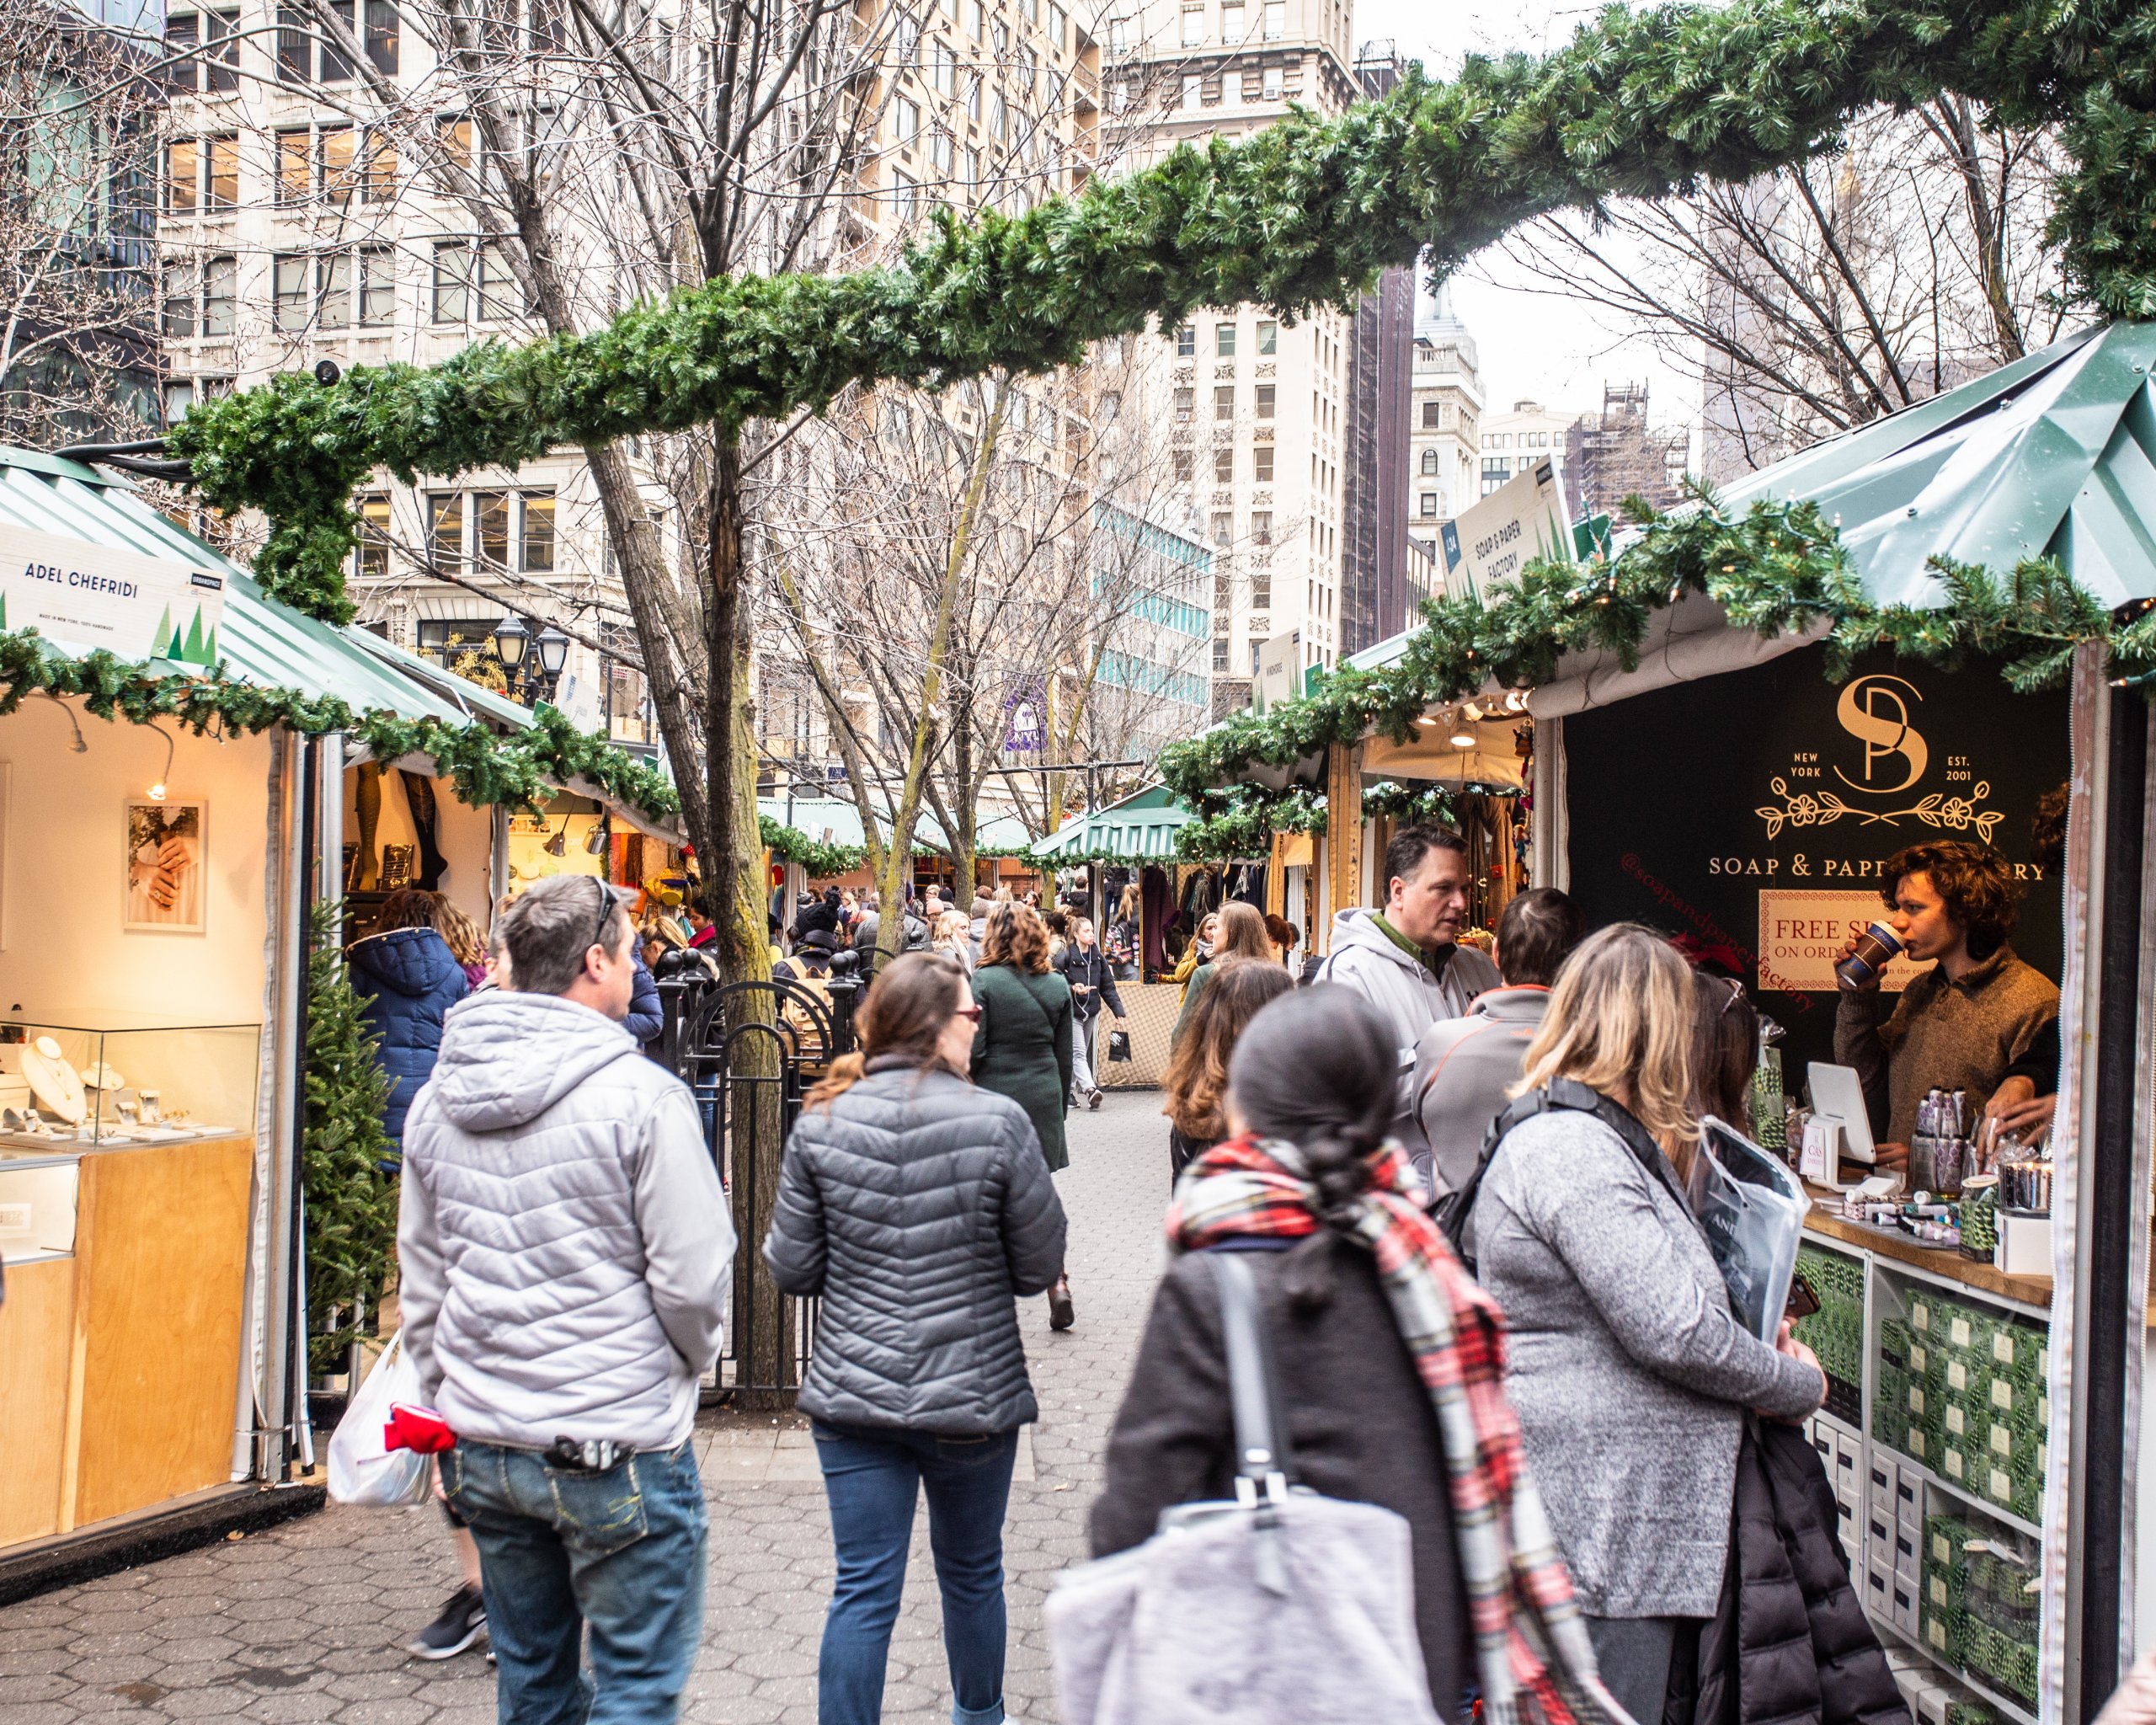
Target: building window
<point x="1223" y="466"/>
<point x="1224" y="401"/>
<point x="220" y="44"/>
<point x="295" y="166"/>
<point x="445" y="527"/>
<point x="906" y="120"/>
<point x="1429" y="460"/>
<point x="378" y="176"/>
<point x="1260" y="590"/>
<point x="220" y="295"/>
<point x="537" y="547"/>
<point x="179" y="301"/>
<point x="1433" y="416"/>
<point x="943" y="68"/>
<point x="1223" y="341"/>
<point x="1220" y="654"/>
<point x="1221" y="529"/>
<point x="378" y="287"/>
<point x="1265" y="400"/>
<point x="339" y="181"/>
<point x="1268" y="338"/>
<point x="498" y="296"/>
<point x="224" y="172"/>
<point x="333" y="287"/>
<point x="183" y="66"/>
<point x="905" y="196"/>
<point x="289" y="273"/>
<point x="1429" y="505"/>
<point x="941" y="153"/>
<point x="1183" y="400"/>
<point x="374" y="537"/>
<point x="1231" y="21"/>
<point x="382" y="36"/>
<point x="1193" y="92"/>
<point x="1184" y="465"/>
<point x="183" y="170"/>
<point x="452" y="282"/>
<point x="1260" y="527"/>
<point x="1186" y="341"/>
<point x="973" y="19"/>
<point x="1261" y="458"/>
<point x="1273" y="19"/>
<point x="1273" y="86"/>
<point x="1193" y="26"/>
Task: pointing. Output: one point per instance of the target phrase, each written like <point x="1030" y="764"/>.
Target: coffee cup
<point x="1867" y="962"/>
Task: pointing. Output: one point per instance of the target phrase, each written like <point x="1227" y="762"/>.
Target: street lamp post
<point x="530" y="663"/>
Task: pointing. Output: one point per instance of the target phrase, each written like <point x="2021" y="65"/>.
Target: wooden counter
<point x="2030" y="1291"/>
<point x="1948" y="1266"/>
<point x="120" y="1366"/>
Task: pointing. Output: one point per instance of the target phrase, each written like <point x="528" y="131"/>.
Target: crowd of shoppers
<point x="1561" y="1428"/>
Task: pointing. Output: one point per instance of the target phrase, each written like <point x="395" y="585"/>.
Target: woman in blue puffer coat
<point x="414" y="979"/>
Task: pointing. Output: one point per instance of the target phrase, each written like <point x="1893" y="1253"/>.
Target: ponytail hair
<point x="1318" y="1067"/>
<point x="904" y="1013"/>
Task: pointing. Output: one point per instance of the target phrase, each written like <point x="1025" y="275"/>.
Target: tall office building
<point x="1257" y="408"/>
<point x="1381" y="591"/>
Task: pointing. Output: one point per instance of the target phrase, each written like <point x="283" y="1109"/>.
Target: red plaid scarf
<point x="1533" y="1657"/>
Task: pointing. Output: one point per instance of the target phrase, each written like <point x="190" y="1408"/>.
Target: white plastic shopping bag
<point x="361" y="1469"/>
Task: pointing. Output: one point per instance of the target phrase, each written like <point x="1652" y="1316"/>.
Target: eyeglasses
<point x="970" y="1014"/>
<point x="1736" y="992"/>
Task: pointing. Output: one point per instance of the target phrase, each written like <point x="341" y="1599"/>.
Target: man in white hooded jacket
<point x="1405" y="957"/>
<point x="565" y="1248"/>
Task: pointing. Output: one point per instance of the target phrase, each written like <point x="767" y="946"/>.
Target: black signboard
<point x="1751" y="812"/>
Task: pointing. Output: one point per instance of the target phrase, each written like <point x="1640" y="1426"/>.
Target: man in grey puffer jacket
<point x="564" y="1247"/>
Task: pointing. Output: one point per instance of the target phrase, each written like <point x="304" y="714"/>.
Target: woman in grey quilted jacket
<point x="918" y="1207"/>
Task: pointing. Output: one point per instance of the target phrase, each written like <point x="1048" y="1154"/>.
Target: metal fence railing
<point x="751" y="1051"/>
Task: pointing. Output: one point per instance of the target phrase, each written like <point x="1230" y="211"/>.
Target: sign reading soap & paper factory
<point x="81" y="596"/>
<point x="1752" y="812"/>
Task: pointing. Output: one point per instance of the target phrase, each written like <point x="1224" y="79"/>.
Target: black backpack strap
<point x="1452" y="1211"/>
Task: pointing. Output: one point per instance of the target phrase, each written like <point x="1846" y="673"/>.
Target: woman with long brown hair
<point x="917" y="1207"/>
<point x="1196" y="1082"/>
<point x="1242" y="935"/>
<point x="1022" y="1047"/>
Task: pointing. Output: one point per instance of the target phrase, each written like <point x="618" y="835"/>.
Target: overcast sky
<point x="1533" y="346"/>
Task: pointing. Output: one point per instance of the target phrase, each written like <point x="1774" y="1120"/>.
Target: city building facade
<point x="1513" y="442"/>
<point x="1619" y="454"/>
<point x="1445" y="422"/>
<point x="1257" y="407"/>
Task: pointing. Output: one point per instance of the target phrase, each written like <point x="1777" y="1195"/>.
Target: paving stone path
<point x="305" y="1622"/>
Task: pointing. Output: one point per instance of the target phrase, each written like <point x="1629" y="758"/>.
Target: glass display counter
<point x="112" y="1082"/>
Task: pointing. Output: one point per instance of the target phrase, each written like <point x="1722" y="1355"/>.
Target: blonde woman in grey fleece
<point x="1629" y="1375"/>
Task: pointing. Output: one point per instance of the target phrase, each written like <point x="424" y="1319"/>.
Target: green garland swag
<point x="1303" y="213"/>
<point x="1778" y="569"/>
<point x="519" y="769"/>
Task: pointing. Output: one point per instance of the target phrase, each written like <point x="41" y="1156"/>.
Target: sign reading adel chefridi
<point x="82" y="597"/>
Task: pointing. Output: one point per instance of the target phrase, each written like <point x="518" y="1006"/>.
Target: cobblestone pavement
<point x="305" y="1621"/>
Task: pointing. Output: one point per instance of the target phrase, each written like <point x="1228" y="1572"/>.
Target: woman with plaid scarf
<point x="1390" y="1363"/>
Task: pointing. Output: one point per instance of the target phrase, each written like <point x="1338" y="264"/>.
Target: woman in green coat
<point x="1021" y="1042"/>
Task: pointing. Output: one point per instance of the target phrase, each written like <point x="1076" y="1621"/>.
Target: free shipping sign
<point x="82" y="596"/>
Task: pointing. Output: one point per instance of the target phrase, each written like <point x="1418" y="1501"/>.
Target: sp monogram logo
<point x="1877" y="712"/>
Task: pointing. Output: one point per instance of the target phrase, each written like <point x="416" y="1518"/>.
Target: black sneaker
<point x="462" y="1621"/>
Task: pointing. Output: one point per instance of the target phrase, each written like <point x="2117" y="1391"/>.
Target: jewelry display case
<point x="115" y="1082"/>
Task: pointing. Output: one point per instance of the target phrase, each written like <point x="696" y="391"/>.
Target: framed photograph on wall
<point x="168" y="854"/>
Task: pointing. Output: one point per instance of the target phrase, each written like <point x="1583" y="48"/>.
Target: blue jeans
<point x="873" y="1478"/>
<point x="621" y="1552"/>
